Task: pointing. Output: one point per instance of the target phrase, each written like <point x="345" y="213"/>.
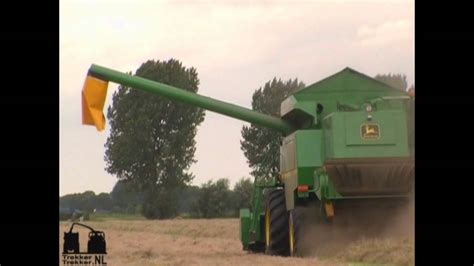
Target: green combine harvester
<point x="347" y="146"/>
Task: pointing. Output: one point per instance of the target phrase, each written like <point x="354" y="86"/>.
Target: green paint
<point x="344" y="140"/>
<point x="244" y="227"/>
<point x="326" y="189"/>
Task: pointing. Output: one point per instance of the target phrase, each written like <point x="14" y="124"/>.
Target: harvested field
<point x="216" y="242"/>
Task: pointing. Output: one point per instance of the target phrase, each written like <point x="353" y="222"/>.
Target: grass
<point x="386" y="251"/>
<point x="133" y="240"/>
<point x="99" y="217"/>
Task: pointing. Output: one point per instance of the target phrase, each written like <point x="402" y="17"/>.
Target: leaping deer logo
<point x="370" y="131"/>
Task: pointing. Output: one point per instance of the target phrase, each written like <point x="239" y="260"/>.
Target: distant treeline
<point x="210" y="200"/>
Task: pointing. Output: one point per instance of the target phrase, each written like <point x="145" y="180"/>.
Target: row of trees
<point x="210" y="200"/>
<point x="87" y="201"/>
<point x="398" y="81"/>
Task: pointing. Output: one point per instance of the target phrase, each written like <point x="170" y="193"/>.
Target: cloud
<point x="385" y="33"/>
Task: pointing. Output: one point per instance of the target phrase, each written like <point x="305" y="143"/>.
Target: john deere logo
<point x="370" y="131"/>
<point x="96" y="248"/>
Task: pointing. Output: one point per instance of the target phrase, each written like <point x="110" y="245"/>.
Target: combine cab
<point x="347" y="149"/>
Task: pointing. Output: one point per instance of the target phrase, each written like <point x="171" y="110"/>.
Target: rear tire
<point x="295" y="221"/>
<point x="276" y="223"/>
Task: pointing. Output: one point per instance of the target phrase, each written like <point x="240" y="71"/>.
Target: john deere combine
<point x="347" y="143"/>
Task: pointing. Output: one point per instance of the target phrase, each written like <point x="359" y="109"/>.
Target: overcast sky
<point x="236" y="46"/>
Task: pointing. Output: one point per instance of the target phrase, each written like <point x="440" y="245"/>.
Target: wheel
<point x="295" y="218"/>
<point x="276" y="223"/>
<point x="257" y="247"/>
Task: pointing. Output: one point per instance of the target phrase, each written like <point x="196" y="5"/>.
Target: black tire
<point x="275" y="207"/>
<point x="257" y="247"/>
<point x="295" y="222"/>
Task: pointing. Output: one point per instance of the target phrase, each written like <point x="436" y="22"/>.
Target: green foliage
<point x="86" y="201"/>
<point x="125" y="200"/>
<point x="103" y="202"/>
<point x="187" y="201"/>
<point x="161" y="202"/>
<point x="243" y="193"/>
<point x="99" y="217"/>
<point x="151" y="143"/>
<point x="210" y="200"/>
<point x="73" y="206"/>
<point x="398" y="81"/>
<point x="261" y="145"/>
<point x="215" y="199"/>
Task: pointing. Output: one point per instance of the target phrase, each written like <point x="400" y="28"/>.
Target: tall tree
<point x="261" y="145"/>
<point x="398" y="81"/>
<point x="151" y="143"/>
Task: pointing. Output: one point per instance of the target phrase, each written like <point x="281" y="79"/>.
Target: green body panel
<point x="344" y="140"/>
<point x="302" y="149"/>
<point x="288" y="154"/>
<point x="184" y="96"/>
<point x="244" y="226"/>
<point x="309" y="148"/>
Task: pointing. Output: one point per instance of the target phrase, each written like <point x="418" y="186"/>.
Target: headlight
<point x="368" y="108"/>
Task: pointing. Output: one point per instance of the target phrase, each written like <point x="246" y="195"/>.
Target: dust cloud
<point x="374" y="232"/>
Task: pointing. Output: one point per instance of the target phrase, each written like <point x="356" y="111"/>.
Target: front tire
<point x="276" y="223"/>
